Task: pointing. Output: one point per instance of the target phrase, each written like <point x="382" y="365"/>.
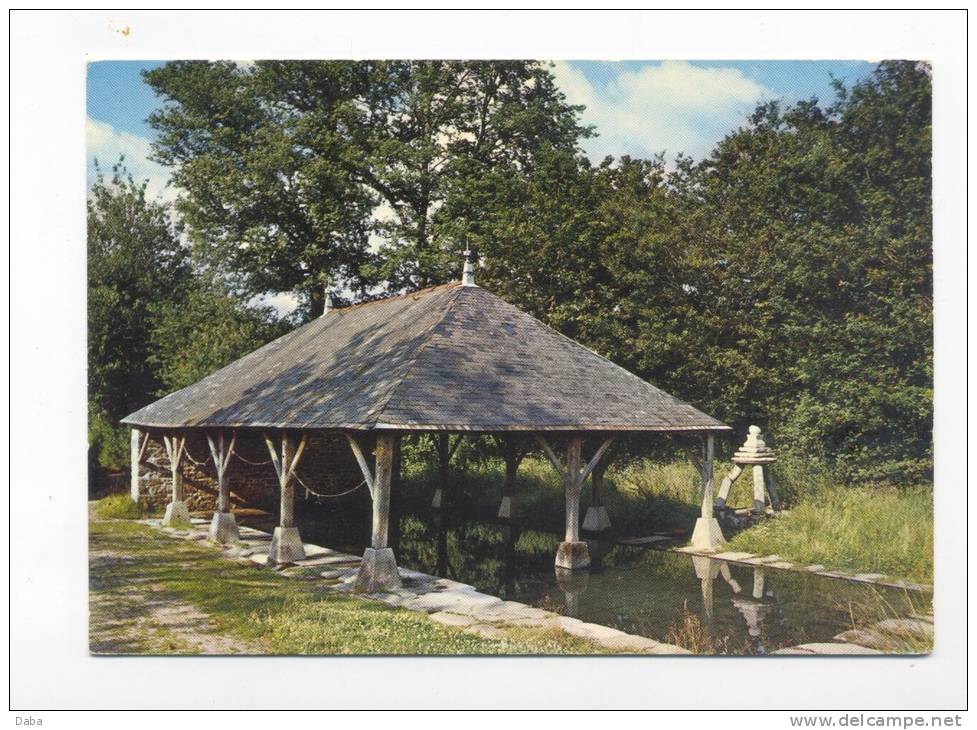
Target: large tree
<point x="135" y="262"/>
<point x="259" y="151"/>
<point x="155" y="324"/>
<point x="809" y="238"/>
<point x="289" y="166"/>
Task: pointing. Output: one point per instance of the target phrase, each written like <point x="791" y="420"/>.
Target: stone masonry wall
<point x="327" y="466"/>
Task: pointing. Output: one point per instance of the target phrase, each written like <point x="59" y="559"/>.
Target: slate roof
<point x="451" y="357"/>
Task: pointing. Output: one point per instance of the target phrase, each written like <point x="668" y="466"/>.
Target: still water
<point x="707" y="605"/>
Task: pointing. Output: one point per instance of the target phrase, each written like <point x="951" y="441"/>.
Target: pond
<point x="709" y="606"/>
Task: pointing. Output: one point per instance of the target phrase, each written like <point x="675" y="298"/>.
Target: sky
<point x="639" y="108"/>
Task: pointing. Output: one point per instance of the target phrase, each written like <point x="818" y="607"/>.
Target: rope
<point x="319" y="495"/>
<point x="252" y="463"/>
<point x="186" y="453"/>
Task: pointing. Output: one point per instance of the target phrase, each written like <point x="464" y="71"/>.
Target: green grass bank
<point x="138" y="577"/>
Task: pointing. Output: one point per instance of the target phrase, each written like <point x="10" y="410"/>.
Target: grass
<point x="869" y="530"/>
<point x="260" y="611"/>
<point x="875" y="622"/>
<point x="885" y="530"/>
<point x="119" y="507"/>
<point x="641" y="498"/>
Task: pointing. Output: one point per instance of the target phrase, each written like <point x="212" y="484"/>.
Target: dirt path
<point x="143" y="618"/>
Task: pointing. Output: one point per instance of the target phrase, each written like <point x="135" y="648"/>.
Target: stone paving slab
<point x="733" y="556"/>
<point x="828" y="649"/>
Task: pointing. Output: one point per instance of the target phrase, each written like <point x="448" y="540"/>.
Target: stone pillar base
<point x="707" y="534"/>
<point x="223" y="528"/>
<point x="286" y="546"/>
<point x="596" y="519"/>
<point x="176" y="514"/>
<point x="573" y="555"/>
<point x="436" y="502"/>
<point x="378" y="571"/>
<point x="505" y="509"/>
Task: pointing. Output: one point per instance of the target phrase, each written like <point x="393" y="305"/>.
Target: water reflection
<point x="737" y="609"/>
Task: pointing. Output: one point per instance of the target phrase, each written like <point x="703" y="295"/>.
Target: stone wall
<point x="327" y="466"/>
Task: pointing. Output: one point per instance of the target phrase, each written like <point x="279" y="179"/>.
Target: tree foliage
<point x="154" y="323"/>
<point x="785" y="280"/>
<point x="289" y="166"/>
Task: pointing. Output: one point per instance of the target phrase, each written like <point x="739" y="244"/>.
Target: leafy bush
<point x="119" y="507"/>
<point x="107" y="444"/>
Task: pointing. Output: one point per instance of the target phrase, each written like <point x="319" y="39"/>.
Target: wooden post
<point x="378" y="569"/>
<point x="573" y="489"/>
<point x="176" y="510"/>
<point x="442" y="444"/>
<point x="286" y="544"/>
<point x="573" y="553"/>
<point x="707" y="459"/>
<point x="597" y="519"/>
<point x="286" y="504"/>
<point x="381" y="486"/>
<point x="707" y="535"/>
<point x="223" y="526"/>
<point x="135" y="437"/>
<point x="512" y="457"/>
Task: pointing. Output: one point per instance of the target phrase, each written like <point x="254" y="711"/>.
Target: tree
<point x="810" y="239"/>
<point x="203" y="332"/>
<point x="135" y="261"/>
<point x="154" y="323"/>
<point x="289" y="166"/>
<point x="259" y="151"/>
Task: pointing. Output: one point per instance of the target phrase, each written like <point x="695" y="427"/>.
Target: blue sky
<point x="639" y="107"/>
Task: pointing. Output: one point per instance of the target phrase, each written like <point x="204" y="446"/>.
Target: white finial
<point x="468" y="273"/>
<point x="327" y="304"/>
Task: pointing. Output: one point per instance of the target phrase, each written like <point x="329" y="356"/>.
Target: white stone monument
<point x="754" y="452"/>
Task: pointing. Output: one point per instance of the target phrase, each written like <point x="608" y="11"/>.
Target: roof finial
<point x="468" y="272"/>
<point x="327" y="302"/>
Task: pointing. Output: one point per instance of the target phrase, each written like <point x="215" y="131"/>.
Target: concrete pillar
<point x="707" y="535"/>
<point x="759" y="490"/>
<point x="378" y="570"/>
<point x="135" y="447"/>
<point x="572" y="553"/>
<point x="597" y="519"/>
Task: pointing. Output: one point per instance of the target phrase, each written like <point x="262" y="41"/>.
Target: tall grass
<point x="885" y="530"/>
<point x="119" y="507"/>
<point x="866" y="529"/>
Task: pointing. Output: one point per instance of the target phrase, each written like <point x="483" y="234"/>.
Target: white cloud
<point x="105" y="143"/>
<point x="670" y="107"/>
